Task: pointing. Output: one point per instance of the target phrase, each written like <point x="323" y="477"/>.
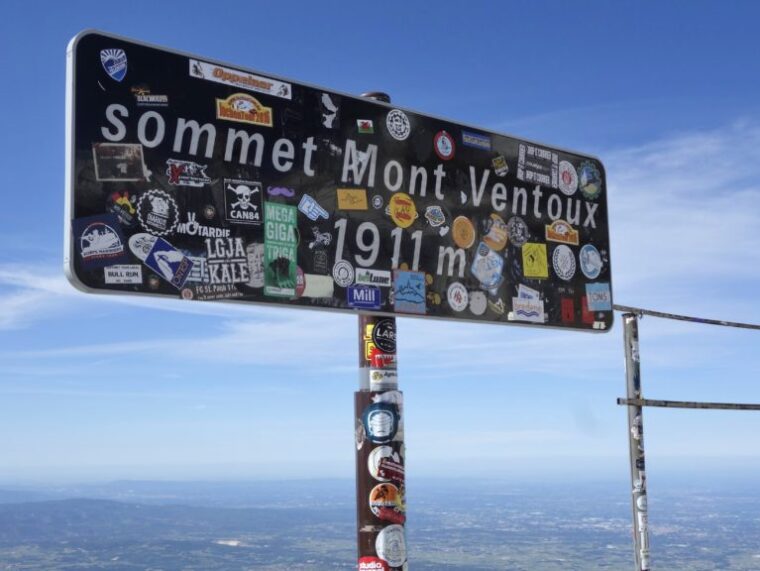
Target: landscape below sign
<point x="206" y="181"/>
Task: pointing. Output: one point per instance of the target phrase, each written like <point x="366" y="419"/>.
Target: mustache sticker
<point x="281" y="191"/>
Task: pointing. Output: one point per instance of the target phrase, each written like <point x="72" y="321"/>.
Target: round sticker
<point x="443" y="143"/>
<point x="458" y="297"/>
<point x="343" y="273"/>
<point x="402" y="210"/>
<point x="390" y="545"/>
<point x="563" y="260"/>
<point x="463" y="232"/>
<point x="209" y="212"/>
<point x="381" y="422"/>
<point x="589" y="180"/>
<point x="496" y="235"/>
<point x="384" y="335"/>
<point x="568" y="178"/>
<point x="385" y="465"/>
<point x="398" y="124"/>
<point x="157" y="212"/>
<point x="517" y="231"/>
<point x="386" y="503"/>
<point x="591" y="261"/>
<point x="478" y="302"/>
<point x="377" y="202"/>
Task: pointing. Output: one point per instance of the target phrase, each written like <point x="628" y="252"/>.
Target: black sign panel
<point x="206" y="181"/>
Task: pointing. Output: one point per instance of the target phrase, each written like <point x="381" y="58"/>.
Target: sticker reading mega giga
<point x="206" y="180"/>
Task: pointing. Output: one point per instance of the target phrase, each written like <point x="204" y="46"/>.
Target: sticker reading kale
<point x="207" y="181"/>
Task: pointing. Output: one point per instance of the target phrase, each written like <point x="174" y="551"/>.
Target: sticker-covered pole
<point x="636" y="443"/>
<point x="379" y="422"/>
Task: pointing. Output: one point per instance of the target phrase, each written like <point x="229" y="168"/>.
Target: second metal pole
<point x="636" y="443"/>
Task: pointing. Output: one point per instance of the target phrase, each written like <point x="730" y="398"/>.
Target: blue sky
<point x="666" y="94"/>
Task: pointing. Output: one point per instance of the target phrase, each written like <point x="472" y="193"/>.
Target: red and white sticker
<point x="458" y="297"/>
<point x="372" y="564"/>
<point x="444" y="146"/>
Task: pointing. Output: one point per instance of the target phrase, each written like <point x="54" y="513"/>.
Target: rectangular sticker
<point x="538" y="165"/>
<point x="280" y="249"/>
<point x="119" y="162"/>
<point x="123" y="274"/>
<point x="241" y="79"/>
<point x="352" y="199"/>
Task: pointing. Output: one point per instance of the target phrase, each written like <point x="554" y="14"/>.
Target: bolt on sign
<point x="203" y="180"/>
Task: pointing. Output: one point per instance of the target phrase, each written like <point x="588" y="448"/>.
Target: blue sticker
<point x="380" y="422"/>
<point x="363" y="297"/>
<point x="409" y="292"/>
<point x="599" y="297"/>
<point x="476" y="140"/>
<point x="487" y="267"/>
<point x="169" y="263"/>
<point x="99" y="241"/>
<point x="311" y="208"/>
<point x="591" y="261"/>
<point x="114" y="62"/>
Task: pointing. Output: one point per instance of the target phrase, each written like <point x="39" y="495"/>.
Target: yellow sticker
<point x="243" y="108"/>
<point x="561" y="231"/>
<point x="402" y="210"/>
<point x="352" y="199"/>
<point x="534" y="260"/>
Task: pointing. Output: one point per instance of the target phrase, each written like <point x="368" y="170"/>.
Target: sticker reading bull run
<point x="280" y="242"/>
<point x="208" y="181"/>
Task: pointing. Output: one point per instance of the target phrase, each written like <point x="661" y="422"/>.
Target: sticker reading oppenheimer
<point x="504" y="190"/>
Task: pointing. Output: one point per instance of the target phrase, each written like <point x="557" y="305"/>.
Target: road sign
<point x="209" y="181"/>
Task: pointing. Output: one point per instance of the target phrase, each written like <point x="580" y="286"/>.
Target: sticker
<point x="157" y="212"/>
<point x="372" y="564"/>
<point x="457" y="296"/>
<point x="500" y="166"/>
<point x="599" y="297"/>
<point x="209" y="212"/>
<point x="226" y="261"/>
<point x="538" y="165"/>
<point x="561" y="231"/>
<point x="383" y="379"/>
<point x="377" y="202"/>
<point x="365" y="126"/>
<point x="568" y="310"/>
<point x="589" y="180"/>
<point x="497" y="306"/>
<point x="517" y="230"/>
<point x="478" y="302"/>
<point x="402" y="210"/>
<point x="363" y="297"/>
<point x="242" y="79"/>
<point x="398" y="125"/>
<point x="641" y="501"/>
<point x="122" y="205"/>
<point x="496" y="233"/>
<point x="144" y="98"/>
<point x="568" y="178"/>
<point x="591" y="261"/>
<point x="444" y="146"/>
<point x="525" y="292"/>
<point x="281" y="191"/>
<point x="527" y="310"/>
<point x="379" y="360"/>
<point x="242" y="201"/>
<point x="487" y="267"/>
<point x="186" y="173"/>
<point x="534" y="260"/>
<point x="435" y="216"/>
<point x="124" y="274"/>
<point x="463" y="232"/>
<point x="114" y="63"/>
<point x="409" y="292"/>
<point x="161" y="257"/>
<point x="254" y="254"/>
<point x="243" y="108"/>
<point x="563" y="261"/>
<point x="194" y="228"/>
<point x="587" y="317"/>
<point x="330" y="111"/>
<point x="318" y="286"/>
<point x="343" y="273"/>
<point x="390" y="545"/>
<point x="386" y="503"/>
<point x="209" y="292"/>
<point x="119" y="162"/>
<point x="378" y="278"/>
<point x="380" y="421"/>
<point x="386" y="465"/>
<point x="384" y="335"/>
<point x="311" y="208"/>
<point x="359" y="434"/>
<point x="476" y="140"/>
<point x="352" y="199"/>
<point x="99" y="241"/>
<point x="280" y="244"/>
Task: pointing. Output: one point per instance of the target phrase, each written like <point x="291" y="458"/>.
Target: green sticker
<point x="280" y="247"/>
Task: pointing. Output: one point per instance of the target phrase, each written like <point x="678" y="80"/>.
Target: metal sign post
<point x="636" y="443"/>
